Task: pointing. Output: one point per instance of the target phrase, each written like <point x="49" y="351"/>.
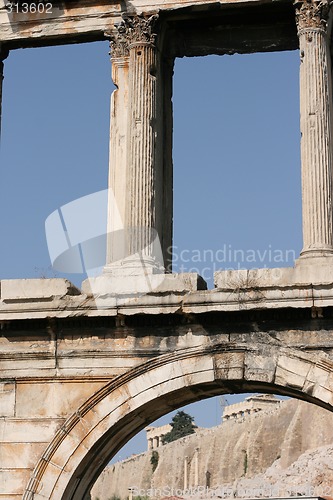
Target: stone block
<point x="291" y="372"/>
<point x="45" y="487"/>
<point x="259" y="367"/>
<point x="28" y="431"/>
<point x="143" y="284"/>
<point x="29" y="289"/>
<point x="64" y="451"/>
<point x="229" y="365"/>
<point x="311" y="272"/>
<point x="58" y="399"/>
<point x="12" y="481"/>
<point x="323" y="394"/>
<point x="21" y="455"/>
<point x="7" y="399"/>
<point x="252" y="278"/>
<point x="318" y="375"/>
<point x="23" y="367"/>
<point x="10" y="497"/>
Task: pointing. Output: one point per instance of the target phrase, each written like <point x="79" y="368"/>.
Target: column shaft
<point x="139" y="227"/>
<point x="1" y="80"/>
<point x="196" y="465"/>
<point x="166" y="209"/>
<point x="316" y="130"/>
<point x="3" y="55"/>
<point x="116" y="237"/>
<point x="185" y="473"/>
<point x="141" y="209"/>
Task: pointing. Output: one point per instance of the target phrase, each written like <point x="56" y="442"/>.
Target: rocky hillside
<point x="310" y="475"/>
<point x="264" y="454"/>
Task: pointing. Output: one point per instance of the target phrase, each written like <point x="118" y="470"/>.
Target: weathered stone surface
<point x="277" y="279"/>
<point x="7" y="399"/>
<point x="19" y="455"/>
<point x="30" y="289"/>
<point x="230" y="365"/>
<point x="86" y="21"/>
<point x="131" y="404"/>
<point x="142" y="284"/>
<point x="11" y="481"/>
<point x="316" y="128"/>
<point x="293" y="370"/>
<point x="28" y="430"/>
<point x="302" y="287"/>
<point x="55" y="399"/>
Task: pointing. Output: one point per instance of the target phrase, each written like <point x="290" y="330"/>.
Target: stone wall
<point x="234" y="449"/>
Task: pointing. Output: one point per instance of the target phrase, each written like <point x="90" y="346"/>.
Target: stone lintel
<point x="87" y="20"/>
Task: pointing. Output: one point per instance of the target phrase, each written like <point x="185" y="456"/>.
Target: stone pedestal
<point x="316" y="129"/>
<point x="143" y="284"/>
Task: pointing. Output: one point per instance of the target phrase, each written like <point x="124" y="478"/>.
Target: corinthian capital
<point x="119" y="42"/>
<point x="142" y="29"/>
<point x="312" y="13"/>
<point x="132" y="30"/>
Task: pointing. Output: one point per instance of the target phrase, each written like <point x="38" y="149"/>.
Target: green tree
<point x="182" y="425"/>
<point x="154" y="460"/>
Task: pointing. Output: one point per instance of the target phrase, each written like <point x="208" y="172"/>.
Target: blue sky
<point x="236" y="154"/>
<point x="236" y="157"/>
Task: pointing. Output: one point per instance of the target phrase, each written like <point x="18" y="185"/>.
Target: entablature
<point x="196" y="27"/>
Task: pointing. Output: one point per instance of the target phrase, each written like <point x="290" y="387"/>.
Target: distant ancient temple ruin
<point x="252" y="404"/>
<point x="156" y="434"/>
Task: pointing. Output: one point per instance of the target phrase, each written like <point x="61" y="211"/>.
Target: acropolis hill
<point x="236" y="453"/>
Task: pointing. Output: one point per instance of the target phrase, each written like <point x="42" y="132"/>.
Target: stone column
<point x="316" y="127"/>
<point x="116" y="235"/>
<point x="3" y="55"/>
<point x="185" y="473"/>
<point x="136" y="196"/>
<point x="144" y="157"/>
<point x="140" y="195"/>
<point x="196" y="467"/>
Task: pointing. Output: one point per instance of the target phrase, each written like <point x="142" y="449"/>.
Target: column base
<point x="144" y="283"/>
<point x="316" y="253"/>
<point x="133" y="266"/>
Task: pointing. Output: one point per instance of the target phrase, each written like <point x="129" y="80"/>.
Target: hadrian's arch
<point x="83" y="370"/>
<point x="106" y="421"/>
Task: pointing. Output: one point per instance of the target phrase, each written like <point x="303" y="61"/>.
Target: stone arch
<point x="106" y="421"/>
